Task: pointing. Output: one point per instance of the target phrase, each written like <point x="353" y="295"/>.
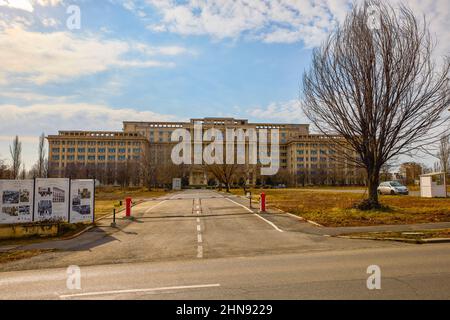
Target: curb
<point x="412" y="241"/>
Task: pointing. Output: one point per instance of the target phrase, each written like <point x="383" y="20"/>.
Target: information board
<point x="16" y="204"/>
<point x="51" y="199"/>
<point x="82" y="195"/>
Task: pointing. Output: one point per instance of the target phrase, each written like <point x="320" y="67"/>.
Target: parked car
<point x="392" y="187"/>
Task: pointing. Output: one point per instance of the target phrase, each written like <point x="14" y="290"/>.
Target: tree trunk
<point x="373" y="181"/>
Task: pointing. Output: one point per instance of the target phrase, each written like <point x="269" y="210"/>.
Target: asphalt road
<point x="202" y="245"/>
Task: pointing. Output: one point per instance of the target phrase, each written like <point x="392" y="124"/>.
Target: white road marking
<point x="101" y="293"/>
<point x="199" y="238"/>
<point x="199" y="229"/>
<point x="267" y="221"/>
<point x="198" y="220"/>
<point x="156" y="205"/>
<point x="200" y="252"/>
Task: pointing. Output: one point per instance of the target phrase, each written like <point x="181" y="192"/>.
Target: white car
<point x="392" y="187"/>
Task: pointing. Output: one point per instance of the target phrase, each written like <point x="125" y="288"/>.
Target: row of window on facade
<point x="94" y="150"/>
<point x="93" y="158"/>
<point x="96" y="143"/>
<point x="314" y="152"/>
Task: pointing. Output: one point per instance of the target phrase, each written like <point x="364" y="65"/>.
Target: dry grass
<point x="15" y="255"/>
<point x="108" y="198"/>
<point x="335" y="209"/>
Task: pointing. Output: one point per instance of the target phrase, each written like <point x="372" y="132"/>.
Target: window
<point x="70" y="158"/>
<point x="55" y="158"/>
<point x="91" y="158"/>
<point x="111" y="158"/>
<point x="81" y="150"/>
<point x="101" y="158"/>
<point x="81" y="158"/>
<point x="122" y="150"/>
<point x="91" y="150"/>
<point x="55" y="150"/>
<point x="112" y="150"/>
<point x="101" y="150"/>
<point x="121" y="158"/>
<point x="71" y="150"/>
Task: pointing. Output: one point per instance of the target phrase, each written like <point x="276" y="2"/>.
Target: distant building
<point x="304" y="158"/>
<point x="410" y="172"/>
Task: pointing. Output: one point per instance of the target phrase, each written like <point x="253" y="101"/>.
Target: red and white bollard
<point x="128" y="202"/>
<point x="262" y="203"/>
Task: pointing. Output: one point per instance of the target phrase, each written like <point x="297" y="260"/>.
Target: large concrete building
<point x="304" y="158"/>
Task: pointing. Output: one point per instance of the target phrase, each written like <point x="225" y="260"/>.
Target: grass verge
<point x="336" y="209"/>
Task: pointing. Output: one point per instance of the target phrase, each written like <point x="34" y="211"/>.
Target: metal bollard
<point x="113" y="224"/>
<point x="263" y="203"/>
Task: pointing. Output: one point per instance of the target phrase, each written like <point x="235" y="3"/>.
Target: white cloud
<point x="51" y="117"/>
<point x="50" y="22"/>
<point x="60" y="56"/>
<point x="28" y="5"/>
<point x="278" y="21"/>
<point x="18" y="4"/>
<point x="288" y="112"/>
<point x="30" y="121"/>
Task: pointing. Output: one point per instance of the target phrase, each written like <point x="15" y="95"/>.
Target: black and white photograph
<point x="84" y="193"/>
<point x="11" y="197"/>
<point x="82" y="209"/>
<point x="24" y="195"/>
<point x="24" y="210"/>
<point x="11" y="211"/>
<point x="45" y="208"/>
<point x="76" y="201"/>
<point x="44" y="191"/>
<point x="58" y="195"/>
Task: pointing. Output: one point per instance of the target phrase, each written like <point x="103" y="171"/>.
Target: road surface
<point x="204" y="245"/>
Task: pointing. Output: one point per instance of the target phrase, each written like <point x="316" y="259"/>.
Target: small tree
<point x="377" y="87"/>
<point x="16" y="157"/>
<point x="40" y="166"/>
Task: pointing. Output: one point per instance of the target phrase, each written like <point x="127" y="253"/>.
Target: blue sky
<point x="155" y="60"/>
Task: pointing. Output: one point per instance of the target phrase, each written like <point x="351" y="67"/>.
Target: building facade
<point x="304" y="158"/>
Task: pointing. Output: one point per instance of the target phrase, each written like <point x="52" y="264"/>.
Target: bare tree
<point x="23" y="173"/>
<point x="16" y="157"/>
<point x="4" y="171"/>
<point x="378" y="88"/>
<point x="444" y="156"/>
<point x="225" y="173"/>
<point x="40" y="166"/>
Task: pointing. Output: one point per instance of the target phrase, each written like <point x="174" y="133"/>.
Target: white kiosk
<point x="176" y="184"/>
<point x="433" y="185"/>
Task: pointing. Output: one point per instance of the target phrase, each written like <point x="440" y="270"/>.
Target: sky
<point x="160" y="60"/>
